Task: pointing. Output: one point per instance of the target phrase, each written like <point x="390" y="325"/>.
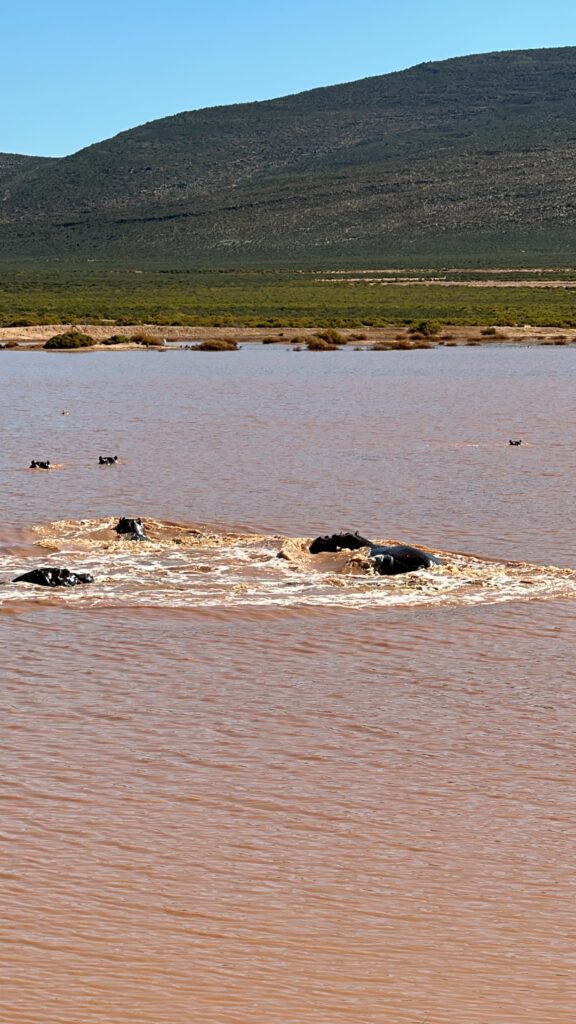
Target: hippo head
<point x="338" y="542"/>
<point x="132" y="529"/>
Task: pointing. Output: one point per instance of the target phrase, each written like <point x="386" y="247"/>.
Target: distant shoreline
<point x="33" y="338"/>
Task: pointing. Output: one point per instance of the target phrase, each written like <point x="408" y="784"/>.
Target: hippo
<point x="39" y="464"/>
<point x="393" y="559"/>
<point x="132" y="529"/>
<point x="515" y="443"/>
<point x="388" y="560"/>
<point x="107" y="460"/>
<point x="339" y="542"/>
<point x="52" y="577"/>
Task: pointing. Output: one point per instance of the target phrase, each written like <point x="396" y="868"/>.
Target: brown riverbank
<point x="34" y="337"/>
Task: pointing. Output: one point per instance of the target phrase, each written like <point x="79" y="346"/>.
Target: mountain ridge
<point x="472" y="154"/>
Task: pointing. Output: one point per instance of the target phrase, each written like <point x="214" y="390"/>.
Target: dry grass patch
<point x="146" y="339"/>
<point x="404" y="345"/>
<point x="320" y="345"/>
<point x="332" y="336"/>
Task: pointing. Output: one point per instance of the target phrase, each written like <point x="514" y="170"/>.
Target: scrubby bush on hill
<point x="24" y="321"/>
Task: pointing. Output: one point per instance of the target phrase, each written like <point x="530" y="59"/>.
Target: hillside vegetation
<point x="470" y="159"/>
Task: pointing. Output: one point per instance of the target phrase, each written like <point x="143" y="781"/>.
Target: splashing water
<point x="194" y="566"/>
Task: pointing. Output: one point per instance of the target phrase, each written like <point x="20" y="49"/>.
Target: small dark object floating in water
<point x="515" y="443"/>
<point x="388" y="560"/>
<point x="132" y="529"/>
<point x="52" y="577"/>
<point x="39" y="464"/>
<point x="107" y="460"/>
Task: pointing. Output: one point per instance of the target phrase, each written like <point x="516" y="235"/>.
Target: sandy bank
<point x="34" y="337"/>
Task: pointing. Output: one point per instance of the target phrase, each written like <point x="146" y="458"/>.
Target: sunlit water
<point x="240" y="789"/>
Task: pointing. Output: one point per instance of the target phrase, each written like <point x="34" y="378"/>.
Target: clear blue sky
<point x="74" y="72"/>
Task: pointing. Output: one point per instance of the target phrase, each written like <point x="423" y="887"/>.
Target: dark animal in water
<point x="51" y="577"/>
<point x="515" y="443"/>
<point x="388" y="560"/>
<point x="38" y="464"/>
<point x="132" y="529"/>
<point x="107" y="460"/>
<point x="393" y="559"/>
<point x="339" y="542"/>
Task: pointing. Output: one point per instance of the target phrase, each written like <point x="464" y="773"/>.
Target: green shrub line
<point x="114" y="297"/>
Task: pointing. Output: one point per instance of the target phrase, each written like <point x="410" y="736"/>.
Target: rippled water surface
<point x="240" y="789"/>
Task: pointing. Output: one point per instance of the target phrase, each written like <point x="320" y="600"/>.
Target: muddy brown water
<point x="238" y="789"/>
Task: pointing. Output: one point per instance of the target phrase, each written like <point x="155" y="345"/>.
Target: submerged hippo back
<point x="51" y="576"/>
<point x="393" y="559"/>
<point x="338" y="542"/>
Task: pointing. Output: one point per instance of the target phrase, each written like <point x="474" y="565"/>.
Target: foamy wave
<point x="195" y="566"/>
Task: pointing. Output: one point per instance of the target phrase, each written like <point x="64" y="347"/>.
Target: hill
<point x="13" y="166"/>
<point x="470" y="158"/>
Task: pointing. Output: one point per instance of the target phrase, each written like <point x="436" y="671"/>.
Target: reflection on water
<point x="297" y="808"/>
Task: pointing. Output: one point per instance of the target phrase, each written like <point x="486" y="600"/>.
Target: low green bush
<point x="426" y="328"/>
<point x="117" y="339"/>
<point x="217" y="345"/>
<point x="24" y="321"/>
<point x="69" y="339"/>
